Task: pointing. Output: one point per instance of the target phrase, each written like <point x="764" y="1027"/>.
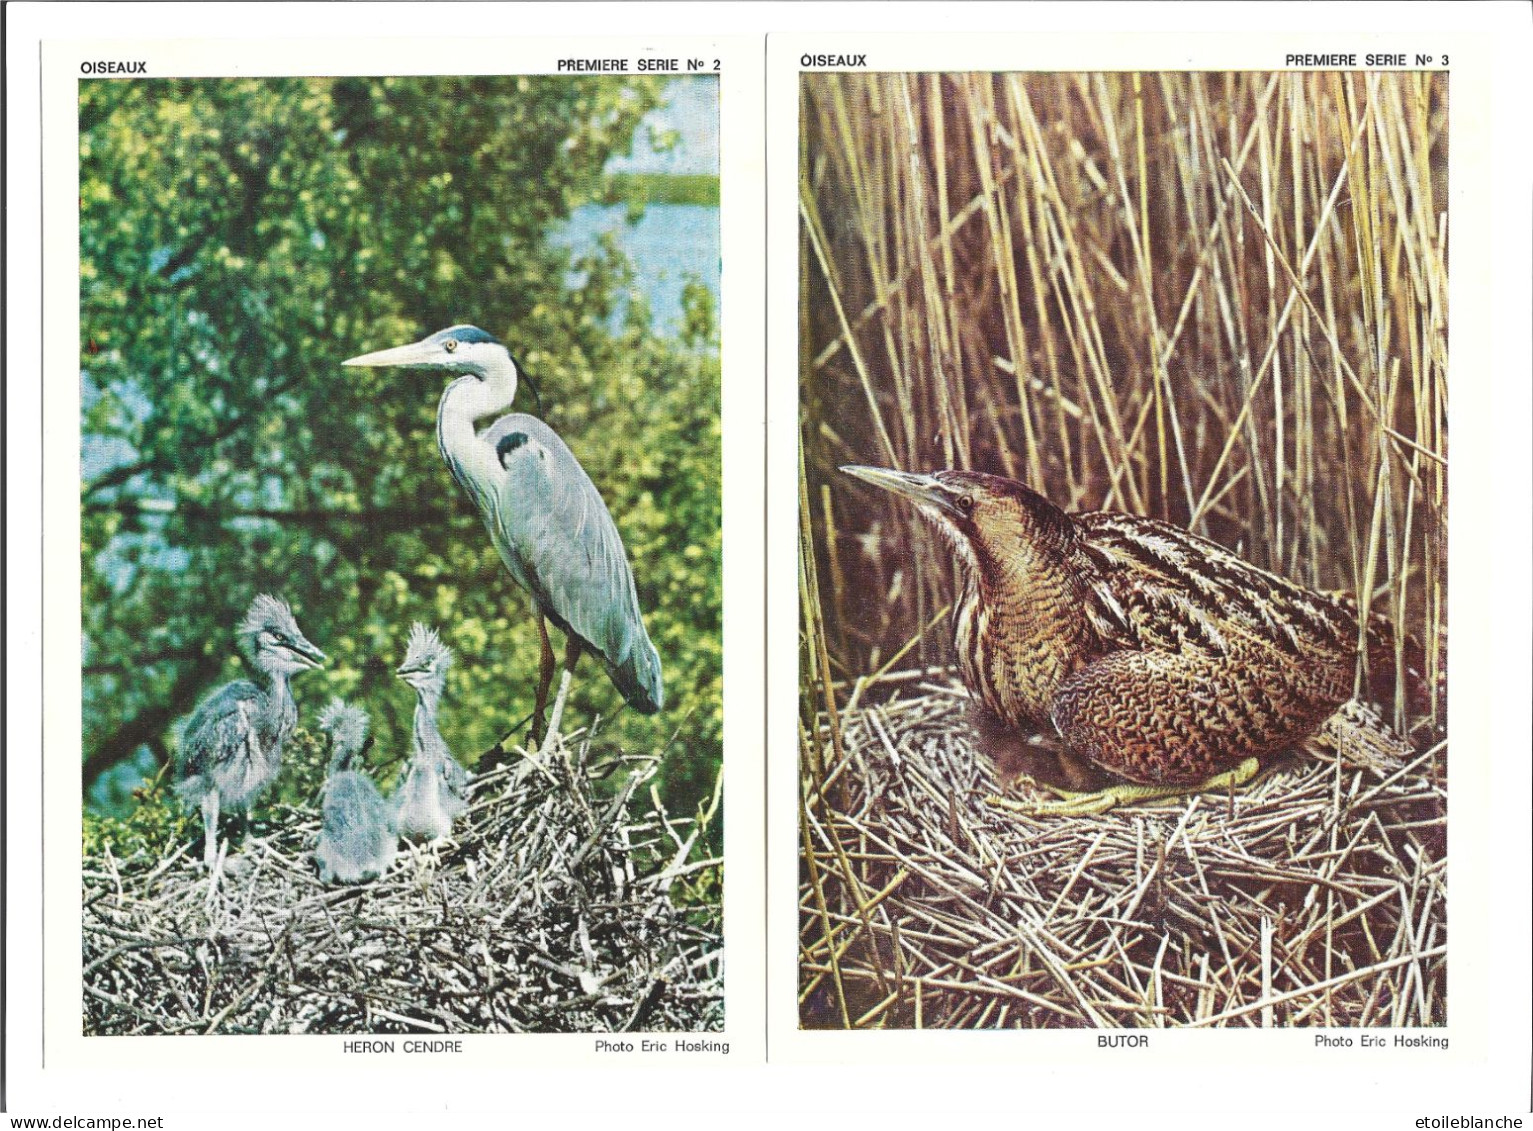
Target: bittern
<point x="231" y="747"/>
<point x="1161" y="657"/>
<point x="544" y="515"/>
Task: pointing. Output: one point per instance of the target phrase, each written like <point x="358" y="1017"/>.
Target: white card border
<point x="909" y="1086"/>
<point x="1488" y="797"/>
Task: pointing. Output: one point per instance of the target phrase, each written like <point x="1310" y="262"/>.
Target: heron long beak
<point x="416" y="353"/>
<point x="309" y="654"/>
<point x="919" y="489"/>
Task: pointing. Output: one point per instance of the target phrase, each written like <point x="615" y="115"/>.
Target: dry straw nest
<point x="1314" y="896"/>
<point x="552" y="910"/>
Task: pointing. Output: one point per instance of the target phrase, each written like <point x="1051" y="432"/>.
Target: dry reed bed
<point x="1216" y="299"/>
<point x="552" y="910"/>
<point x="1316" y="896"/>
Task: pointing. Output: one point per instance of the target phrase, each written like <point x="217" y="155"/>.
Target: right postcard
<point x="1122" y="522"/>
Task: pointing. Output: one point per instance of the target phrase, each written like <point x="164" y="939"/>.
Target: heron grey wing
<point x="405" y="792"/>
<point x="219" y="729"/>
<point x="506" y="434"/>
<point x="357" y="835"/>
<point x="452" y="782"/>
<point x="454" y="776"/>
<point x="568" y="547"/>
<point x="424" y="805"/>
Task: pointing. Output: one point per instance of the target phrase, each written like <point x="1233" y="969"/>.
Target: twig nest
<point x="489" y="932"/>
<point x="1314" y="896"/>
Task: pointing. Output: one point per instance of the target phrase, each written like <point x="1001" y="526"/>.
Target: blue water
<point x="668" y="245"/>
<point x="679" y="136"/>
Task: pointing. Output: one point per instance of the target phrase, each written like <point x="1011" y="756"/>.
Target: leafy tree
<point x="238" y="239"/>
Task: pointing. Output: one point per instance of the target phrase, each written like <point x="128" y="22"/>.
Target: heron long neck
<point x="428" y="739"/>
<point x="279" y="714"/>
<point x="340" y="761"/>
<point x="464" y="402"/>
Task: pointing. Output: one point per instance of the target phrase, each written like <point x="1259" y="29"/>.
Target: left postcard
<point x="387" y="694"/>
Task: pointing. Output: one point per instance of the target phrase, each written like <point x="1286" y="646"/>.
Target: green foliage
<point x="304" y="763"/>
<point x="664" y="188"/>
<point x="239" y="239"/>
<point x="155" y="825"/>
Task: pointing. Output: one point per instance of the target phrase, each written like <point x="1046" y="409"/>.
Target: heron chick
<point x="357" y="837"/>
<point x="231" y="747"/>
<point x="544" y="515"/>
<point x="435" y="786"/>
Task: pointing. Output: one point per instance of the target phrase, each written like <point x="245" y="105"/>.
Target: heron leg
<point x="545" y="680"/>
<point x="553" y="735"/>
<point x="210" y="827"/>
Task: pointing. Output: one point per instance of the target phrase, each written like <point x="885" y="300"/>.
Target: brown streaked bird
<point x="1159" y="656"/>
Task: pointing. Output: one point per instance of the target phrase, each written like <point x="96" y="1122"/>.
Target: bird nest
<point x="1315" y="896"/>
<point x="553" y="909"/>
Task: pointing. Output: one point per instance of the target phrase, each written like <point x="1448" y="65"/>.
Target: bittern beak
<point x="923" y="490"/>
<point x="424" y="352"/>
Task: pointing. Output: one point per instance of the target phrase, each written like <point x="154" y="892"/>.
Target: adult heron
<point x="231" y="747"/>
<point x="545" y="516"/>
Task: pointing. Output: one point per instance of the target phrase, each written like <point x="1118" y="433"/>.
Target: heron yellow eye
<point x="966" y="504"/>
<point x="450" y="345"/>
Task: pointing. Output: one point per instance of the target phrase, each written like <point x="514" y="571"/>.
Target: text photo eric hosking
<point x="1123" y="549"/>
<point x="401" y="555"/>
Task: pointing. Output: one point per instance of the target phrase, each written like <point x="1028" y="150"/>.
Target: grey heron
<point x="544" y="515"/>
<point x="231" y="747"/>
<point x="357" y="838"/>
<point x="435" y="787"/>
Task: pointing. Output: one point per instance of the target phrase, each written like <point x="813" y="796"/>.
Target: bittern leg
<point x="1125" y="793"/>
<point x="545" y="680"/>
<point x="210" y="827"/>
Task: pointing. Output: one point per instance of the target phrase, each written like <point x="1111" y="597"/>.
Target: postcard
<point x="1123" y="367"/>
<point x="620" y="561"/>
<point x="397" y="594"/>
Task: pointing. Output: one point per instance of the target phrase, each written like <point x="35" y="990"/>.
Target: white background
<point x="905" y="1078"/>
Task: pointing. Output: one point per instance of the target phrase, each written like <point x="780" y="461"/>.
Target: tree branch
<point x="158" y="462"/>
<point x="307" y="517"/>
<point x="148" y="725"/>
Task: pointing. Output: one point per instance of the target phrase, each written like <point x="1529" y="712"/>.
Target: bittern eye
<point x="450" y="345"/>
<point x="966" y="504"/>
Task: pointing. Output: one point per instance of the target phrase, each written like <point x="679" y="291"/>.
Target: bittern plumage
<point x="1159" y="656"/>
